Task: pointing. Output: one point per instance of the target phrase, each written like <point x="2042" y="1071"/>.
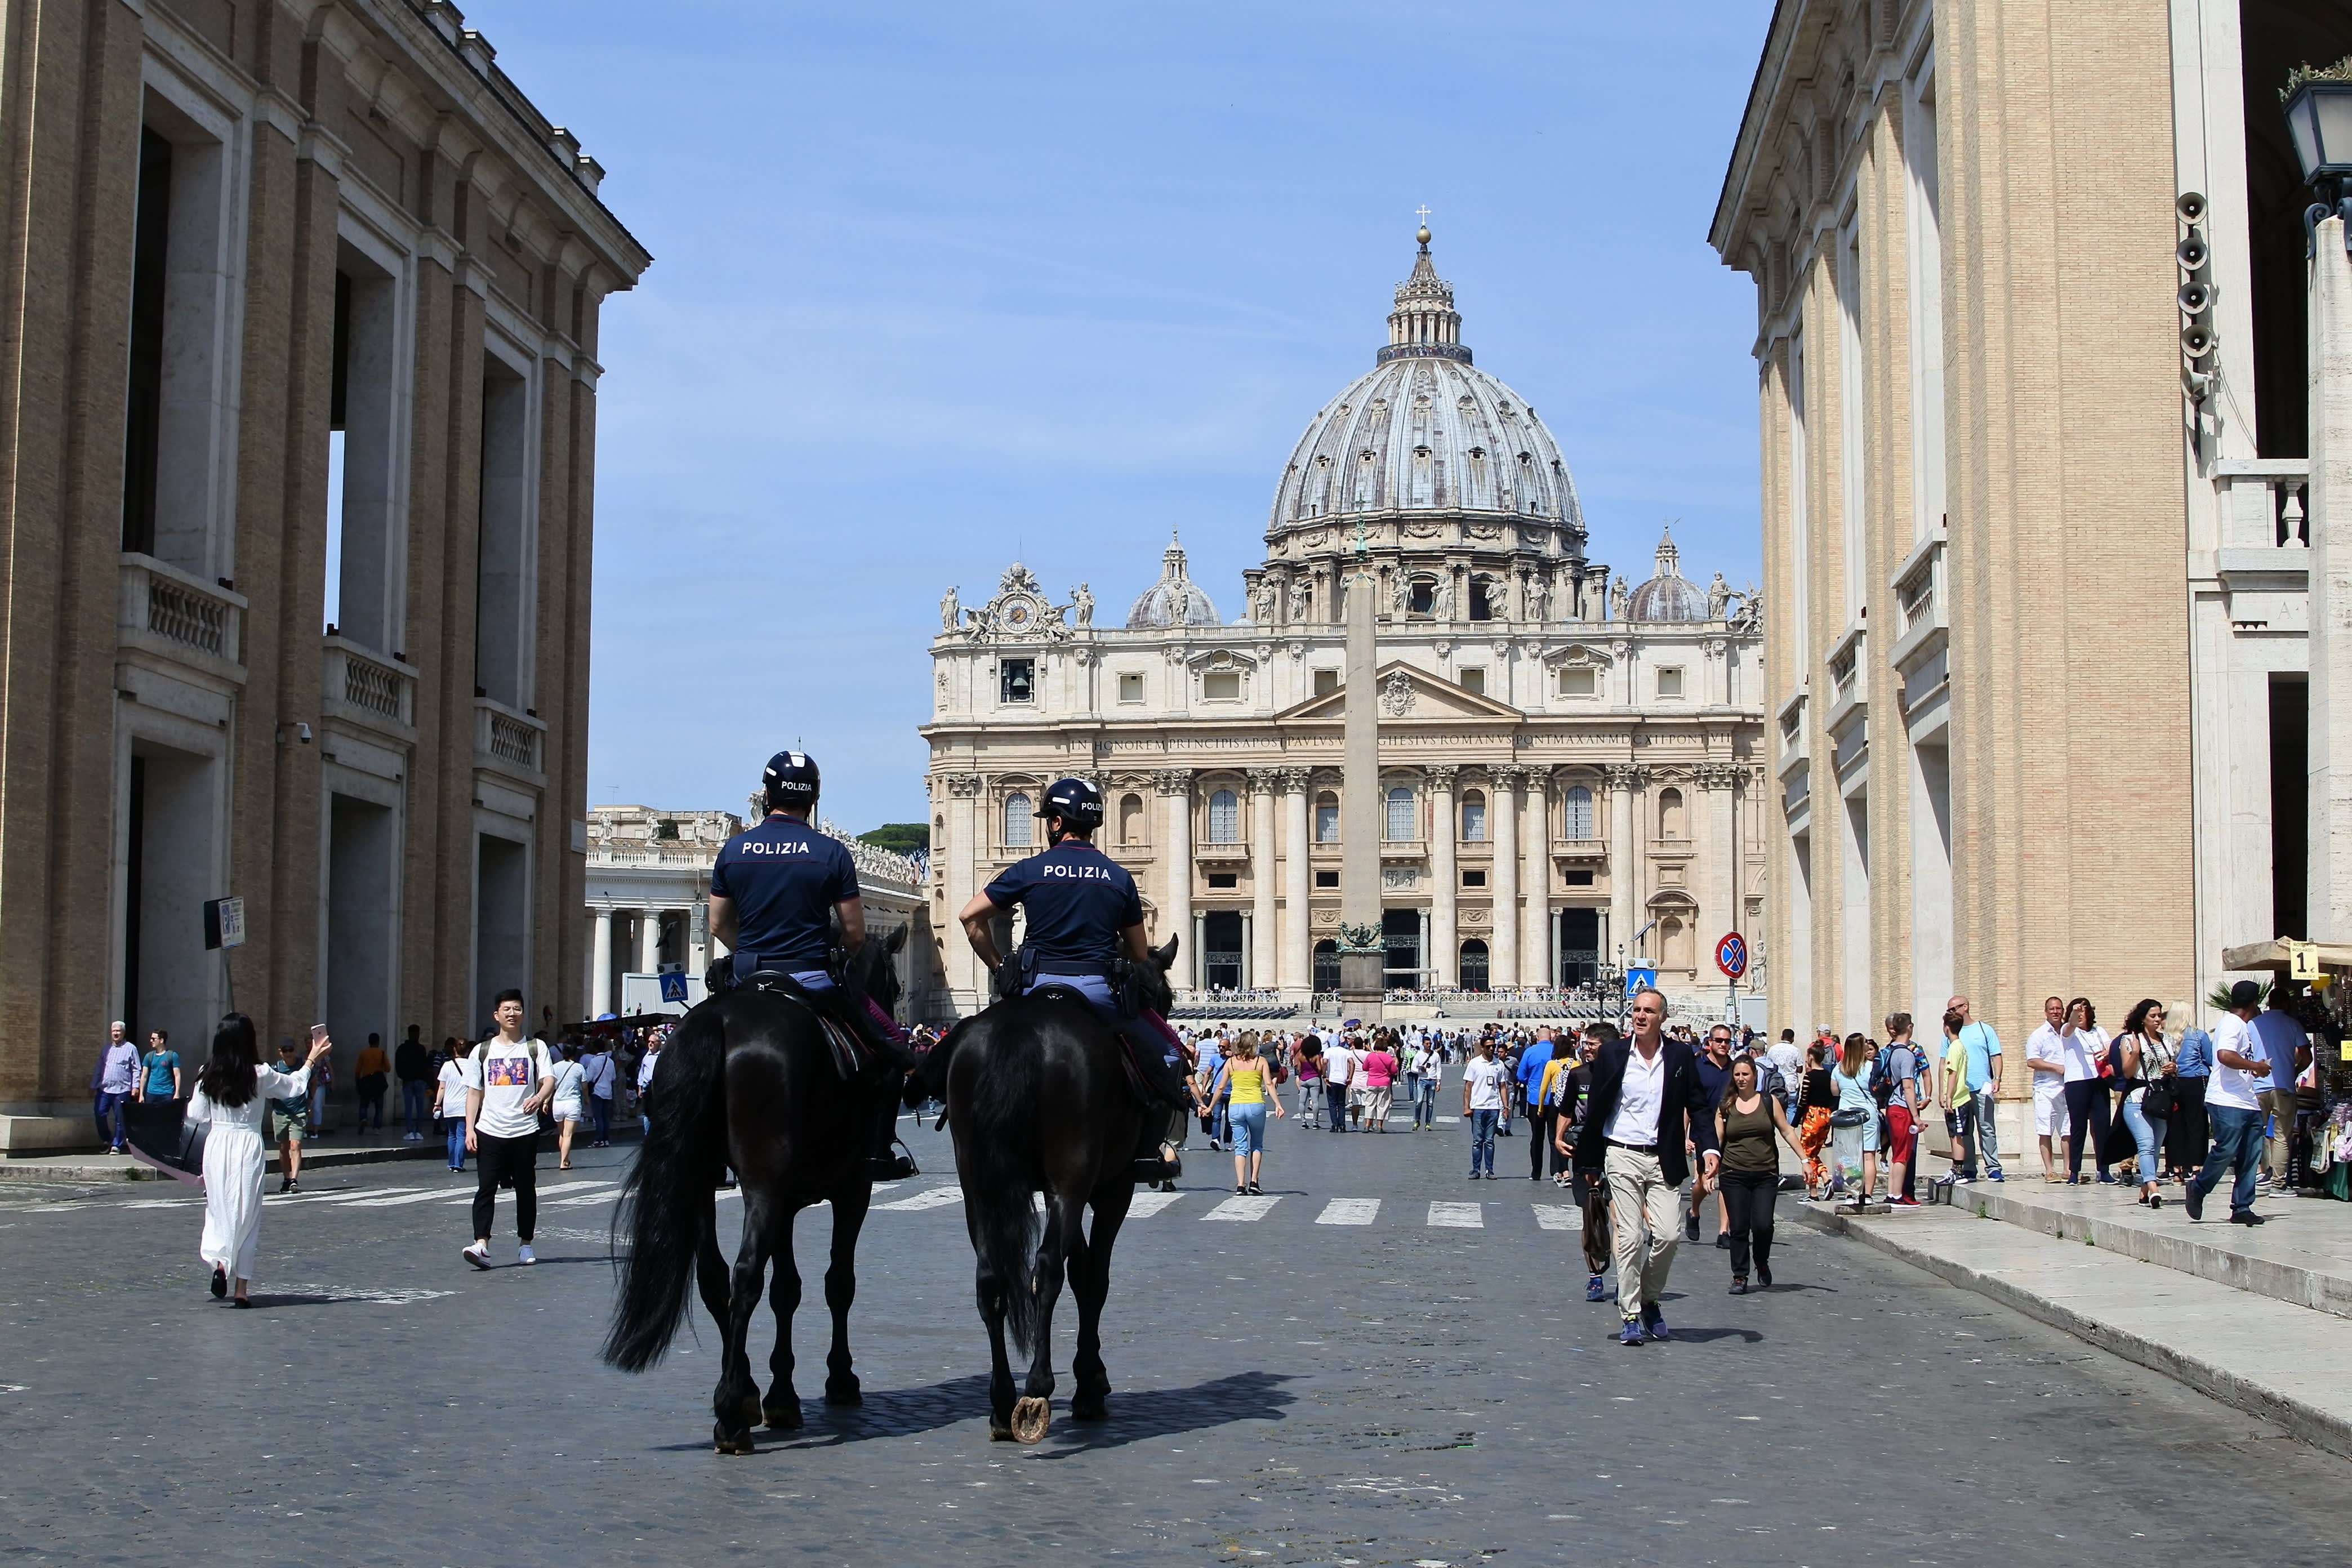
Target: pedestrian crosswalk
<point x="1230" y="1209"/>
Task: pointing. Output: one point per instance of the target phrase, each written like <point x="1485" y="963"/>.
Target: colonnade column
<point x="1535" y="927"/>
<point x="1721" y="850"/>
<point x="1443" y="957"/>
<point x="1297" y="947"/>
<point x="1503" y="935"/>
<point x="1175" y="787"/>
<point x="960" y="968"/>
<point x="600" y="967"/>
<point x="1622" y="848"/>
<point x="1262" y="942"/>
<point x="648" y="940"/>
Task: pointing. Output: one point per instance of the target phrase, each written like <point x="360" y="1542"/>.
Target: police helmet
<point x="1077" y="803"/>
<point x="791" y="781"/>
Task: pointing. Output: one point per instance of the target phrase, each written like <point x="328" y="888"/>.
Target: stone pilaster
<point x="1445" y="955"/>
<point x="1175" y="787"/>
<point x="1503" y="822"/>
<point x="1262" y="783"/>
<point x="1298" y="885"/>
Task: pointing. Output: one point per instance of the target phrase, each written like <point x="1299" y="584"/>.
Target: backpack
<point x="1768" y="1080"/>
<point x="1882" y="1078"/>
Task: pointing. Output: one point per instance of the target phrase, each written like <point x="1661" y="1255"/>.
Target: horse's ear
<point x="1164" y="955"/>
<point x="895" y="940"/>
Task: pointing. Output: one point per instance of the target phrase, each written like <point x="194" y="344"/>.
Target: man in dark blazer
<point x="1647" y="1104"/>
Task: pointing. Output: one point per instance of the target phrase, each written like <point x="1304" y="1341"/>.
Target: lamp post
<point x="2319" y="122"/>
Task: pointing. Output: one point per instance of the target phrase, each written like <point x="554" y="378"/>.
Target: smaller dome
<point x="1175" y="600"/>
<point x="1668" y="595"/>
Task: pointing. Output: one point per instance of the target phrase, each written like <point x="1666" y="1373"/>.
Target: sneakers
<point x="2106" y="1179"/>
<point x="2248" y="1217"/>
<point x="1690" y="1225"/>
<point x="1631" y="1334"/>
<point x="1653" y="1323"/>
<point x="2193" y="1201"/>
<point x="1594" y="1290"/>
<point x="1995" y="1176"/>
<point x="1905" y="1202"/>
<point x="524" y="1255"/>
<point x="478" y="1254"/>
<point x="1764" y="1274"/>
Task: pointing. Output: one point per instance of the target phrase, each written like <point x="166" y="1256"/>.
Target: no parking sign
<point x="1731" y="955"/>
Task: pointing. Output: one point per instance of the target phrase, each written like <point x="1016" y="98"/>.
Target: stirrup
<point x="1150" y="1169"/>
<point x="893" y="1166"/>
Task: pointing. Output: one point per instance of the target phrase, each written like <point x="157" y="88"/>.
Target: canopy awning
<point x="2272" y="955"/>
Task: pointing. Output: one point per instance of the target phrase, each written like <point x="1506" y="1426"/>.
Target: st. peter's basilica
<point x="1569" y="764"/>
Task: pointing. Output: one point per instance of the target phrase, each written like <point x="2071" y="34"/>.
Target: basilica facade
<point x="1568" y="762"/>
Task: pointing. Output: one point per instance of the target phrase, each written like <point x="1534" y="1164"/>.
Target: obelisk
<point x="1363" y="959"/>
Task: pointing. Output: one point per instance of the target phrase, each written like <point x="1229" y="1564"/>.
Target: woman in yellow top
<point x="1245" y="1073"/>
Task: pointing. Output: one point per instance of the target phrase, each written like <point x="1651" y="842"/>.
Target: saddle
<point x="852" y="1056"/>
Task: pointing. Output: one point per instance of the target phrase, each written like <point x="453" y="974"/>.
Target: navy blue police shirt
<point x="785" y="878"/>
<point x="1078" y="900"/>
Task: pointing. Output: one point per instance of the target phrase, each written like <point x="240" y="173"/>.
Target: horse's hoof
<point x="783" y="1417"/>
<point x="1089" y="1410"/>
<point x="999" y="1434"/>
<point x="728" y="1442"/>
<point x="1030" y="1417"/>
<point x="843" y="1394"/>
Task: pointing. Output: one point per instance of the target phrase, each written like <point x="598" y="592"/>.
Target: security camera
<point x="302" y="733"/>
<point x="2191" y="207"/>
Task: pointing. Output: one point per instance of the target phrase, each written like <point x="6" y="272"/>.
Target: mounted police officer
<point x="1084" y="917"/>
<point x="775" y="894"/>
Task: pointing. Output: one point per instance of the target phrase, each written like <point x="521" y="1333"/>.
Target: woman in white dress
<point x="567" y="1109"/>
<point x="233" y="1094"/>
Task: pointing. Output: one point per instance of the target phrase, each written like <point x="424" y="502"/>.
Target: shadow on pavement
<point x="1165" y="1411"/>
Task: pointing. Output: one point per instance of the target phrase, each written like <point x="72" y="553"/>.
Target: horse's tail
<point x="996" y="1187"/>
<point x="665" y="1201"/>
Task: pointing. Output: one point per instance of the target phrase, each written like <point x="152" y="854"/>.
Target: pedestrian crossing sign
<point x="1640" y="980"/>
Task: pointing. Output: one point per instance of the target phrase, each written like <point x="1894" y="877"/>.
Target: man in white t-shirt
<point x="508" y="1080"/>
<point x="2233" y="1109"/>
<point x="1338" y="1073"/>
<point x="2045" y="1053"/>
<point x="1483" y="1078"/>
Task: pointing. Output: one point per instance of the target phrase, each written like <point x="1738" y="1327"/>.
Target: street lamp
<point x="2319" y="122"/>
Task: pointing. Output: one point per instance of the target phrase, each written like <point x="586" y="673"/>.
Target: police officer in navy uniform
<point x="1084" y="913"/>
<point x="775" y="894"/>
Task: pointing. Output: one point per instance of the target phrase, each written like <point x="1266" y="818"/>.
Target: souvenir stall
<point x="2322" y="1139"/>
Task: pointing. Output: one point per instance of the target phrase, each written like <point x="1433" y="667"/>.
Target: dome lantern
<point x="1173" y="601"/>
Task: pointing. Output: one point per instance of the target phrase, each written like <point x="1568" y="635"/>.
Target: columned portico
<point x="1263" y="943"/>
<point x="1622" y="922"/>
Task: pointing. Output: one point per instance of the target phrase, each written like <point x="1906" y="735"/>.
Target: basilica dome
<point x="1668" y="595"/>
<point x="1425" y="430"/>
<point x="1173" y="601"/>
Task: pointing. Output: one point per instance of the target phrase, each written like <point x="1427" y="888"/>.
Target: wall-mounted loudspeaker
<point x="2197" y="340"/>
<point x="2191" y="207"/>
<point x="2196" y="298"/>
<point x="2193" y="254"/>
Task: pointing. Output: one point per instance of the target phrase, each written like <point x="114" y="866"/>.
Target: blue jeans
<point x="110" y="1112"/>
<point x="1335" y="1101"/>
<point x="1482" y="1139"/>
<point x="1246" y="1124"/>
<point x="411" y="1105"/>
<point x="1987" y="1138"/>
<point x="2237" y="1145"/>
<point x="1220" y="1120"/>
<point x="2148" y="1135"/>
<point x="1424" y="1101"/>
<point x="600" y="1107"/>
<point x="454" y="1126"/>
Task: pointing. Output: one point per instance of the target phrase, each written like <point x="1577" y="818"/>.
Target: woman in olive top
<point x="1744" y="1125"/>
<point x="1244" y="1073"/>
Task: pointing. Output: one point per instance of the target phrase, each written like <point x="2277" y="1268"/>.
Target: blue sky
<point x="940" y="286"/>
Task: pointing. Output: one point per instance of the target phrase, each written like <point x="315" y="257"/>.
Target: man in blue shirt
<point x="2287" y="1048"/>
<point x="1084" y="914"/>
<point x="1528" y="1074"/>
<point x="1983" y="1048"/>
<point x="775" y="892"/>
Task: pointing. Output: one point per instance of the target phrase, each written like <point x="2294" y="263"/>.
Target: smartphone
<point x="318" y="1032"/>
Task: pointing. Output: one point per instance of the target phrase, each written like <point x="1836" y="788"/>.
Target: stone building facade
<point x="1564" y="761"/>
<point x="299" y="398"/>
<point x="2032" y="350"/>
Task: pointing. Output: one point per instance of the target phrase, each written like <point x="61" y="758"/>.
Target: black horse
<point x="749" y="1082"/>
<point x="1040" y="1101"/>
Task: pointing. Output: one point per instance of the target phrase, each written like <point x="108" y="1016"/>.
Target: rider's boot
<point x="1155" y="1159"/>
<point x="892" y="1061"/>
<point x="886" y="1162"/>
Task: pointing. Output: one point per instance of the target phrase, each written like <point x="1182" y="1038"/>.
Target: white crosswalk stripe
<point x="1350" y="1211"/>
<point x="1245" y="1208"/>
<point x="1558" y="1217"/>
<point x="936" y="1197"/>
<point x="1461" y="1216"/>
<point x="394" y="1200"/>
<point x="1145" y="1204"/>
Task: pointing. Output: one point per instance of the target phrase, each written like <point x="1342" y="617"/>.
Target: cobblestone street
<point x="1409" y="1376"/>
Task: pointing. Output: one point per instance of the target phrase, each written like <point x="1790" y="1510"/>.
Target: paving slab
<point x="2256" y="1352"/>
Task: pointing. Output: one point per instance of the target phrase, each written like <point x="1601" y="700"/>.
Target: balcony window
<point x="1472" y="680"/>
<point x="1224" y="818"/>
<point x="1576" y="812"/>
<point x="1473" y="818"/>
<point x="1326" y="681"/>
<point x="1579" y="682"/>
<point x="1018" y="817"/>
<point x="1327" y="819"/>
<point x="1130" y="687"/>
<point x="1401" y="815"/>
<point x="1222" y="686"/>
<point x="1016" y="680"/>
<point x="1424" y="600"/>
<point x="1482" y="606"/>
